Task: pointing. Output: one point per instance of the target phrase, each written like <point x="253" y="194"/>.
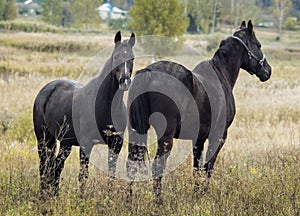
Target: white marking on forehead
<point x="125" y="51"/>
<point x="126" y="69"/>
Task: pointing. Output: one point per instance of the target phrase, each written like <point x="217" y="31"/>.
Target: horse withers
<point x="65" y="109"/>
<point x="195" y="105"/>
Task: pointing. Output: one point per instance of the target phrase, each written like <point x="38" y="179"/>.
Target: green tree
<point x="235" y="11"/>
<point x="164" y="18"/>
<point x="2" y="9"/>
<point x="160" y="18"/>
<point x="85" y="13"/>
<point x="280" y="10"/>
<point x="10" y="11"/>
<point x="200" y="13"/>
<point x="67" y="18"/>
<point x="52" y="11"/>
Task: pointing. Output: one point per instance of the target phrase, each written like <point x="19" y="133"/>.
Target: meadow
<point x="257" y="172"/>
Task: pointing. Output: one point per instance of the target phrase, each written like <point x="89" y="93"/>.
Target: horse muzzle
<point x="124" y="84"/>
<point x="265" y="74"/>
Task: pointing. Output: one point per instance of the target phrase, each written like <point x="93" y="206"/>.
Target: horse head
<point x="122" y="60"/>
<point x="253" y="59"/>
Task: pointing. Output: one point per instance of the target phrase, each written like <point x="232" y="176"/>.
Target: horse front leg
<point x="198" y="163"/>
<point x="214" y="147"/>
<point x="165" y="145"/>
<point x="84" y="169"/>
<point x="115" y="143"/>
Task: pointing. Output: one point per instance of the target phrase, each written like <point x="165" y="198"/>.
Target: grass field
<point x="257" y="172"/>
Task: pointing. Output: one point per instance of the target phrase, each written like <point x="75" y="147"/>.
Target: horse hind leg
<point x="46" y="151"/>
<point x="64" y="152"/>
<point x="137" y="150"/>
<point x="165" y="145"/>
<point x="84" y="170"/>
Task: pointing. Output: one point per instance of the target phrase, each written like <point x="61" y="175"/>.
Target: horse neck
<point x="228" y="60"/>
<point x="107" y="85"/>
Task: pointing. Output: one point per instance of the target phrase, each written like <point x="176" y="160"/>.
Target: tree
<point x="164" y="18"/>
<point x="200" y="13"/>
<point x="281" y="9"/>
<point x="2" y="9"/>
<point x="8" y="9"/>
<point x="234" y="11"/>
<point x="85" y="13"/>
<point x="159" y="18"/>
<point x="67" y="18"/>
<point x="52" y="11"/>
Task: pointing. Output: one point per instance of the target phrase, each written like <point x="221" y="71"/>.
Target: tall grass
<point x="256" y="172"/>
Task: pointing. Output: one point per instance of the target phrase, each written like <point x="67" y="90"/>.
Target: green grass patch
<point x="28" y="26"/>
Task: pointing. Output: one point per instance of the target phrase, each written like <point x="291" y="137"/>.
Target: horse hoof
<point x="128" y="200"/>
<point x="159" y="201"/>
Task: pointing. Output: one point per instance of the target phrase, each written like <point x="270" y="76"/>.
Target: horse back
<point x="53" y="107"/>
<point x="163" y="87"/>
<point x="173" y="69"/>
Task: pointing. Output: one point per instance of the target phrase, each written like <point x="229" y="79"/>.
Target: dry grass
<point x="256" y="172"/>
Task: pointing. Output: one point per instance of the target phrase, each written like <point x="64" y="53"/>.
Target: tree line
<point x="207" y="15"/>
<point x="167" y="17"/>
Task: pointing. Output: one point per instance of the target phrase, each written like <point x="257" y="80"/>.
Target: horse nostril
<point x="122" y="80"/>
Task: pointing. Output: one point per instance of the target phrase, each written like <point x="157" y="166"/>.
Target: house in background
<point x="108" y="11"/>
<point x="28" y="8"/>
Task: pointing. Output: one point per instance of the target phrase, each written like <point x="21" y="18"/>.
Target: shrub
<point x="290" y="23"/>
<point x="21" y="129"/>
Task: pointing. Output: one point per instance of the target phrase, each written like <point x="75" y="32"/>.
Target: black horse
<point x="197" y="105"/>
<point x="64" y="110"/>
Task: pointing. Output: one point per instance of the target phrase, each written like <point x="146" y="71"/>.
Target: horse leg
<point x="136" y="158"/>
<point x="46" y="152"/>
<point x="213" y="150"/>
<point x="84" y="170"/>
<point x="165" y="145"/>
<point x="198" y="162"/>
<point x="115" y="143"/>
<point x="64" y="152"/>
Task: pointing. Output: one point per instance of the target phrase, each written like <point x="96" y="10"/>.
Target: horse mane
<point x="224" y="47"/>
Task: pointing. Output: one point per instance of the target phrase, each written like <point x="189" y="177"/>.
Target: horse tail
<point x="46" y="141"/>
<point x="138" y="104"/>
<point x="139" y="113"/>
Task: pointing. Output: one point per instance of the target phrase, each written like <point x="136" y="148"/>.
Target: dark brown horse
<point x="64" y="110"/>
<point x="197" y="105"/>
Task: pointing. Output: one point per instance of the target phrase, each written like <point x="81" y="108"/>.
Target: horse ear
<point x="131" y="40"/>
<point x="250" y="26"/>
<point x="243" y="25"/>
<point x="118" y="37"/>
